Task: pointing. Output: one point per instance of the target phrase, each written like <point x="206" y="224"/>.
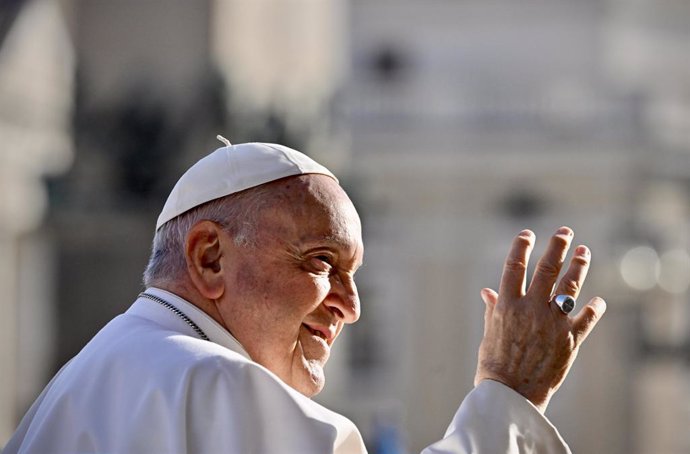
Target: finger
<point x="490" y="299"/>
<point x="489" y="296"/>
<point x="587" y="318"/>
<point x="550" y="264"/>
<point x="572" y="280"/>
<point x="515" y="267"/>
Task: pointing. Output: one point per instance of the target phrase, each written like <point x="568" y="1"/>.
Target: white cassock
<point x="146" y="383"/>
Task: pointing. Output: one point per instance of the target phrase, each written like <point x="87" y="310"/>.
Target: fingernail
<point x="564" y="231"/>
<point x="527" y="233"/>
<point x="599" y="305"/>
<point x="582" y="251"/>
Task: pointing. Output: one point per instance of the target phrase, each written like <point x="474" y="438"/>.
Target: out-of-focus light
<point x="674" y="271"/>
<point x="639" y="268"/>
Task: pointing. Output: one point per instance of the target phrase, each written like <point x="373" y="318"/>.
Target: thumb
<point x="587" y="318"/>
<point x="490" y="298"/>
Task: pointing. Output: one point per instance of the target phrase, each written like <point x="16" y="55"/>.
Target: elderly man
<point x="250" y="282"/>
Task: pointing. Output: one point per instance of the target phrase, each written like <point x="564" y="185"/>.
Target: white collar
<point x="215" y="332"/>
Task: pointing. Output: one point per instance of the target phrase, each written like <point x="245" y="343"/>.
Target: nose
<point x="343" y="299"/>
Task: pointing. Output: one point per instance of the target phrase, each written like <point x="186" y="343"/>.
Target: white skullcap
<point x="232" y="169"/>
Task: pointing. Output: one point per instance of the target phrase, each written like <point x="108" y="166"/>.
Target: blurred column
<point x="285" y="53"/>
<point x="35" y="102"/>
<point x="287" y="58"/>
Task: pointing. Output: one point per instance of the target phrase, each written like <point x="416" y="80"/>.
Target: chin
<point x="312" y="380"/>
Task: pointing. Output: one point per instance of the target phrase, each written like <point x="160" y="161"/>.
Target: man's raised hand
<point x="529" y="344"/>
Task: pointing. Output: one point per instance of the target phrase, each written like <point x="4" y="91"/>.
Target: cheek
<point x="322" y="285"/>
<point x="305" y="294"/>
<point x="264" y="286"/>
<point x="279" y="293"/>
<point x="246" y="279"/>
<point x="319" y="287"/>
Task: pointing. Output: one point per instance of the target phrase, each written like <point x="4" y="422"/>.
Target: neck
<point x="183" y="290"/>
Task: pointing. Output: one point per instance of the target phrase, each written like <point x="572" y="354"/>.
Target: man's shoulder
<point x="147" y="350"/>
<point x="134" y="350"/>
<point x="135" y="337"/>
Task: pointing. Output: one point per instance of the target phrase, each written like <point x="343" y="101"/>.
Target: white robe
<point x="146" y="383"/>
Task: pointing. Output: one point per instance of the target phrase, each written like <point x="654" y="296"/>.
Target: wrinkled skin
<point x="529" y="344"/>
<point x="287" y="299"/>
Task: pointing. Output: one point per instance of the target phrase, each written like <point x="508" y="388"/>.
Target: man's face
<point x="287" y="298"/>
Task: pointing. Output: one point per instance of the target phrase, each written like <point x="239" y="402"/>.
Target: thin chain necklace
<point x="177" y="312"/>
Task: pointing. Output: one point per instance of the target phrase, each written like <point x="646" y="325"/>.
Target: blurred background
<point x="452" y="124"/>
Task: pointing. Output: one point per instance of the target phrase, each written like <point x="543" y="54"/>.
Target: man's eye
<point x="324" y="258"/>
<point x="322" y="262"/>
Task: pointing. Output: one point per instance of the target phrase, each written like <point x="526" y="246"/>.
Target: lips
<point x="321" y="331"/>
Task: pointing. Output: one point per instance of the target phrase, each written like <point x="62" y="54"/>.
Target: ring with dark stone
<point x="565" y="303"/>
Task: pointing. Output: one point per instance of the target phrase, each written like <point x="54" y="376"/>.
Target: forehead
<point x="313" y="208"/>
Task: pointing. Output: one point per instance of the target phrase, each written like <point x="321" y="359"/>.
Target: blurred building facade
<point x="453" y="125"/>
<point x="472" y="120"/>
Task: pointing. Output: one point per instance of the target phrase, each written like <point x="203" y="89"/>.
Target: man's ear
<point x="203" y="252"/>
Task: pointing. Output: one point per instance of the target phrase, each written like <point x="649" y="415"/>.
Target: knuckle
<point x="570" y="287"/>
<point x="524" y="241"/>
<point x="560" y="241"/>
<point x="593" y="314"/>
<point x="516" y="265"/>
<point x="580" y="261"/>
<point x="548" y="269"/>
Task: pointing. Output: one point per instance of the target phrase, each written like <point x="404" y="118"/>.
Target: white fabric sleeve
<point x="495" y="419"/>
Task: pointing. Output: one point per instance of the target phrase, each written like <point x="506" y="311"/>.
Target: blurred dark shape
<point x="271" y="127"/>
<point x="141" y="134"/>
<point x="389" y="64"/>
<point x="143" y="137"/>
<point x="9" y="10"/>
<point x="137" y="136"/>
<point x="521" y="204"/>
<point x="145" y="140"/>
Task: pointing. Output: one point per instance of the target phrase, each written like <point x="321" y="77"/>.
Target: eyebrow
<point x="333" y="240"/>
<point x="329" y="241"/>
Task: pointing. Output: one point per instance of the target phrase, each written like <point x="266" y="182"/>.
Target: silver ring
<point x="565" y="303"/>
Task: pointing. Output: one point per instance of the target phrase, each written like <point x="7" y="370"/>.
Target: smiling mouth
<point x="315" y="332"/>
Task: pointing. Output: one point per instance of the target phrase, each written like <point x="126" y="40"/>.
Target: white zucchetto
<point x="232" y="169"/>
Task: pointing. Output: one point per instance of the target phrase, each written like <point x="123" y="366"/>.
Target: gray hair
<point x="238" y="214"/>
